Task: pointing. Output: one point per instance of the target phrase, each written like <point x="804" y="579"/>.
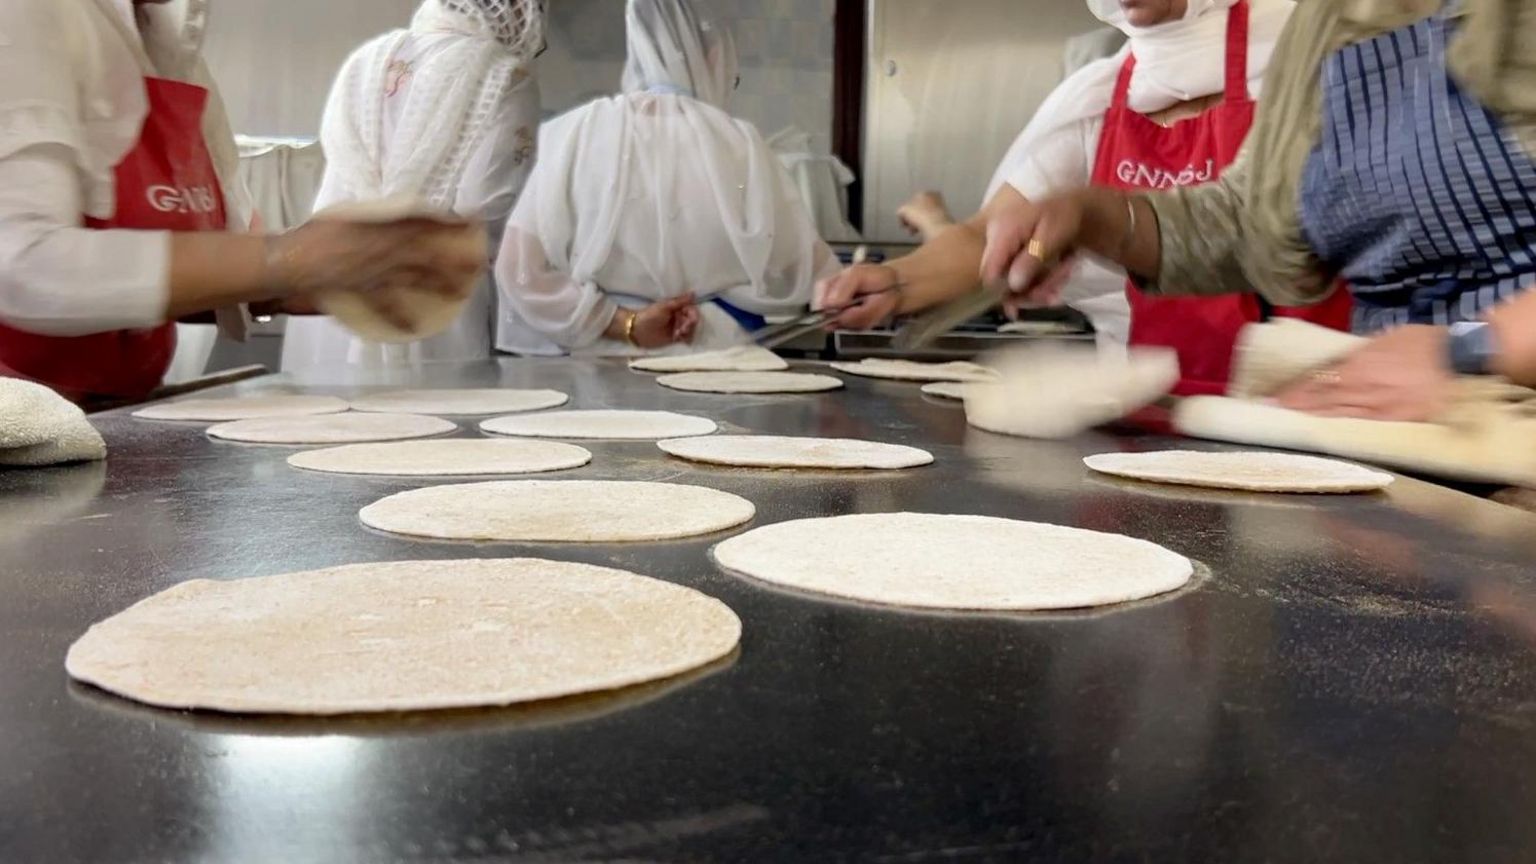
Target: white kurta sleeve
<point x="59" y="278"/>
<point x="571" y="314"/>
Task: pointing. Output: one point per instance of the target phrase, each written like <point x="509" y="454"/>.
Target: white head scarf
<point x="582" y="204"/>
<point x="1175" y="62"/>
<point x="673" y="50"/>
<point x="449" y="105"/>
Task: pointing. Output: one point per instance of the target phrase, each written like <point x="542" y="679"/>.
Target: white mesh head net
<point x="675" y="49"/>
<point x="517" y="24"/>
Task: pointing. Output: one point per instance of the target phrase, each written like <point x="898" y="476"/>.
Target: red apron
<point x="166" y="183"/>
<point x="1135" y="153"/>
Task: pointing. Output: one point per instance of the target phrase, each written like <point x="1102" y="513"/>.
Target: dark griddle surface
<point x="1355" y="682"/>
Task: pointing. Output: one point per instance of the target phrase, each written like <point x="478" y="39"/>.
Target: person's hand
<point x="376" y="258"/>
<point x="873" y="286"/>
<point x="1400" y="375"/>
<point x="1027" y="242"/>
<point x="1045" y="295"/>
<point x="666" y="322"/>
<point x="924" y="214"/>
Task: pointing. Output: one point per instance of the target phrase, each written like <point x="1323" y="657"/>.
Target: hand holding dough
<point x="387" y="270"/>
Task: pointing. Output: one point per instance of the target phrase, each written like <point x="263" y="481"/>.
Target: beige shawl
<point x="1493" y="56"/>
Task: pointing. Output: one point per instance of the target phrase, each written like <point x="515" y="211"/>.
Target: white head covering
<point x="1175" y="62"/>
<point x="667" y="135"/>
<point x="673" y="50"/>
<point x="449" y="105"/>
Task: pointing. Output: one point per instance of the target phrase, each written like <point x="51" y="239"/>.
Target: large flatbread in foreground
<point x="933" y="561"/>
<point x="909" y="370"/>
<point x="244" y="408"/>
<point x="774" y="451"/>
<point x="1250" y="471"/>
<point x="559" y="511"/>
<point x="744" y="358"/>
<point x="602" y="424"/>
<point x="448" y="457"/>
<point x="402" y="636"/>
<point x="750" y="382"/>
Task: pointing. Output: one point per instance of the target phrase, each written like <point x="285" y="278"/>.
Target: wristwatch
<point x="1471" y="348"/>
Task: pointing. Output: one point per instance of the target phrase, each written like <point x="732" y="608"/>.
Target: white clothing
<point x="444" y="114"/>
<point x="654" y="193"/>
<point x="1175" y="62"/>
<point x="72" y="102"/>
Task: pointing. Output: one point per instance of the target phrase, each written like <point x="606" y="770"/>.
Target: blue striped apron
<point x="1416" y="192"/>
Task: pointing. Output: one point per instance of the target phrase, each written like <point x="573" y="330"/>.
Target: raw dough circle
<point x="1252" y="471"/>
<point x="612" y="425"/>
<point x="946" y="390"/>
<point x="749" y="382"/>
<point x="248" y="408"/>
<point x="771" y="451"/>
<point x="450" y="457"/>
<point x="955" y="562"/>
<point x="429" y="312"/>
<point x="907" y="370"/>
<point x="331" y="429"/>
<point x="747" y="358"/>
<point x="460" y="402"/>
<point x="403" y="636"/>
<point x="558" y="511"/>
<point x="1057" y="391"/>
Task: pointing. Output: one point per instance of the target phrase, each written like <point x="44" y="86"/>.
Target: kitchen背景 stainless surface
<point x="1351" y="679"/>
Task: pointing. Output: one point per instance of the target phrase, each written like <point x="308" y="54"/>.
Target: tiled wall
<point x="785" y="48"/>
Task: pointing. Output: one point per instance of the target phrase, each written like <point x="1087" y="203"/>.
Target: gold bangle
<point x="629" y="330"/>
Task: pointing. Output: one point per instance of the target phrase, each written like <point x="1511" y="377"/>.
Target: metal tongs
<point x="926" y="329"/>
<point x="788" y="331"/>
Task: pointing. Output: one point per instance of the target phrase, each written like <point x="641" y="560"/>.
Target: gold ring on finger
<point x="1327" y="377"/>
<point x="1035" y="250"/>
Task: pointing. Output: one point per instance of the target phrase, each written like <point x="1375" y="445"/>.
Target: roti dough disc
<point x="946" y="390"/>
<point x="745" y="358"/>
<point x="1251" y="471"/>
<point x="445" y="458"/>
<point x="770" y="451"/>
<point x="750" y="382"/>
<point x="955" y="562"/>
<point x="402" y="636"/>
<point x="429" y="312"/>
<point x="1057" y="391"/>
<point x="460" y="402"/>
<point x="612" y="425"/>
<point x="331" y="429"/>
<point x="908" y="370"/>
<point x="248" y="408"/>
<point x="558" y="511"/>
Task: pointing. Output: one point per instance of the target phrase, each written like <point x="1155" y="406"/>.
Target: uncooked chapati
<point x="613" y="425"/>
<point x="750" y="382"/>
<point x="946" y="390"/>
<point x="771" y="451"/>
<point x="331" y="429"/>
<point x="247" y="408"/>
<point x="460" y="402"/>
<point x="955" y="562"/>
<point x="403" y="636"/>
<point x="428" y="312"/>
<point x="745" y="358"/>
<point x="1252" y="471"/>
<point x="451" y="457"/>
<point x="908" y="370"/>
<point x="558" y="511"/>
<point x="1056" y="391"/>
